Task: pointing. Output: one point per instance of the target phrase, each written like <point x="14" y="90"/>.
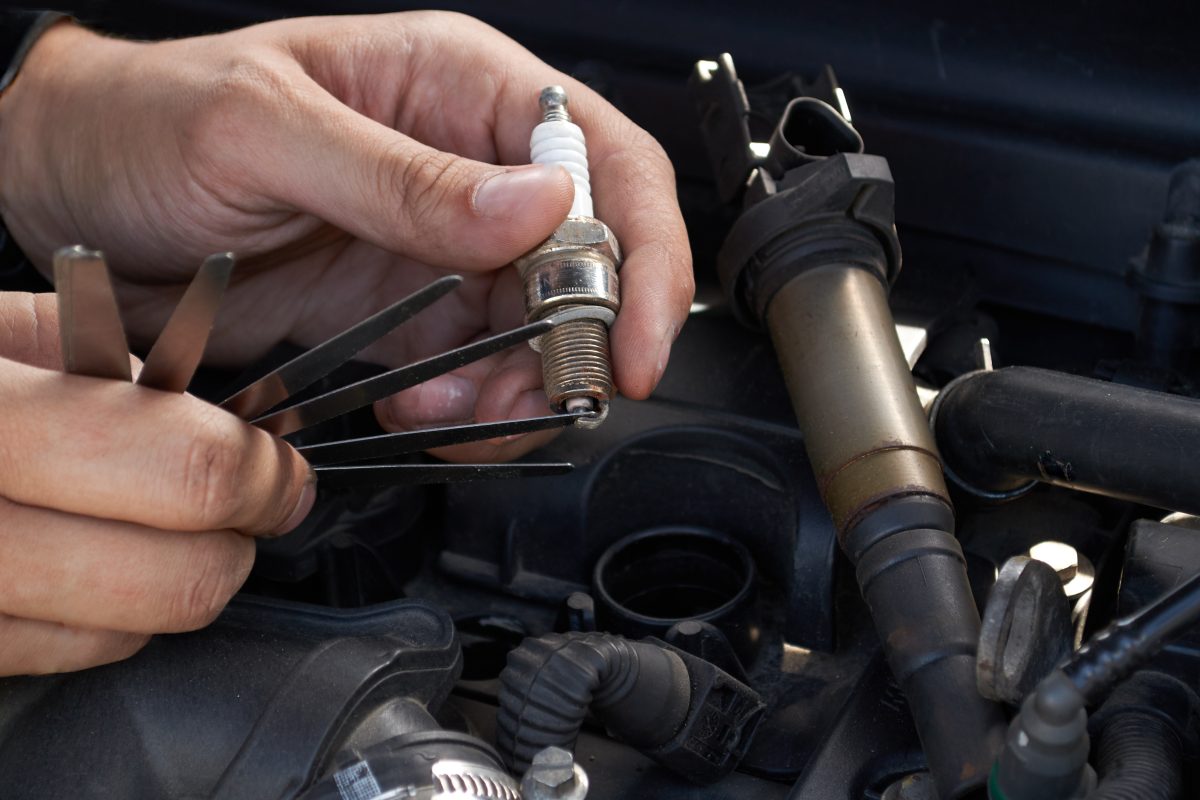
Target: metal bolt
<point x="1063" y="558"/>
<point x="1074" y="569"/>
<point x="554" y="775"/>
<point x="918" y="786"/>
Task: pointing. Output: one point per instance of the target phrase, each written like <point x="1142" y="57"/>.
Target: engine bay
<point x="982" y="537"/>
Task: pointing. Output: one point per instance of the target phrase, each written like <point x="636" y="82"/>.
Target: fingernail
<point x="506" y="194"/>
<point x="308" y="496"/>
<point x="664" y="353"/>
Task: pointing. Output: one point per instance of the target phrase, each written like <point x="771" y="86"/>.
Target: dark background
<point x="1030" y="141"/>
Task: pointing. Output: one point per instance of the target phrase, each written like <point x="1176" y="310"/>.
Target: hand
<point x="125" y="511"/>
<point x="348" y="161"/>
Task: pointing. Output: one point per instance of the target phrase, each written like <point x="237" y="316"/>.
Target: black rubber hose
<point x="914" y="578"/>
<point x="999" y="430"/>
<point x="1139" y="757"/>
<point x="639" y="690"/>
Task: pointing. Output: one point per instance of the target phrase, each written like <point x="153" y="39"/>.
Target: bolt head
<point x="1062" y="557"/>
<point x="553" y="768"/>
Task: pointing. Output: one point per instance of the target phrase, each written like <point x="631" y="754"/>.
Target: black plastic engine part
<point x="662" y="466"/>
<point x="1001" y="430"/>
<point x="1167" y="276"/>
<point x="403" y="752"/>
<point x="680" y="710"/>
<point x="872" y="742"/>
<point x="1026" y="631"/>
<point x="710" y="451"/>
<point x="1042" y="756"/>
<point x="810" y="258"/>
<point x="651" y="581"/>
<point x="1045" y="754"/>
<point x="255" y="706"/>
<point x="1157" y="557"/>
<point x="1143" y="732"/>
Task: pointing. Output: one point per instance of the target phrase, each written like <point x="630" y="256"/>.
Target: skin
<point x="348" y="161"/>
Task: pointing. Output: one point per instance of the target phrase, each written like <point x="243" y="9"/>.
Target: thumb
<point x="393" y="191"/>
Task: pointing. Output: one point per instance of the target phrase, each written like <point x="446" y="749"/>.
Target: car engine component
<point x="766" y="580"/>
<point x="810" y="258"/>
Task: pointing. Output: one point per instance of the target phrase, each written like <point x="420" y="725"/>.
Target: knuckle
<point x="247" y="79"/>
<point x="423" y="183"/>
<point x="455" y="22"/>
<point x="215" y="569"/>
<point x="212" y="470"/>
<point x="232" y="98"/>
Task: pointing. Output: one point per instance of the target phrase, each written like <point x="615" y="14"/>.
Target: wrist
<point x="44" y="112"/>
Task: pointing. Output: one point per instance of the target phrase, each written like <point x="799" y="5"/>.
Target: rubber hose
<point x="1139" y="758"/>
<point x="639" y="690"/>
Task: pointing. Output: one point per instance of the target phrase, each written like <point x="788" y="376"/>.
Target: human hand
<point x="125" y="511"/>
<point x="280" y="142"/>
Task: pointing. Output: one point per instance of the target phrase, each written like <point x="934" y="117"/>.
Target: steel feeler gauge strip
<point x="89" y="322"/>
<point x="309" y="367"/>
<point x="393" y="444"/>
<point x="392" y="474"/>
<point x="94" y="344"/>
<point x="298" y="416"/>
<point x="176" y="354"/>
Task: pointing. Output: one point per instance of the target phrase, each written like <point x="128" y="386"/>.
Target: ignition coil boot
<point x="572" y="278"/>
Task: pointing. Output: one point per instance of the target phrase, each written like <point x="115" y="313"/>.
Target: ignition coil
<point x="572" y="278"/>
<point x="811" y="259"/>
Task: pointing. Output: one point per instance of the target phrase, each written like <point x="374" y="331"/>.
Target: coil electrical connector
<point x="572" y="278"/>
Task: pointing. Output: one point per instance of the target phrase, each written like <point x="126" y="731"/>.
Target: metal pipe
<point x="865" y="431"/>
<point x="1000" y="431"/>
<point x="880" y="475"/>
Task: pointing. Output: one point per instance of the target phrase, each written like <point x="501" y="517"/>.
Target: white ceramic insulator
<point x="560" y="142"/>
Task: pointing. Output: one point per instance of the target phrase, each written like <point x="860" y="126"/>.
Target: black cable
<point x="1127" y="643"/>
<point x="682" y="711"/>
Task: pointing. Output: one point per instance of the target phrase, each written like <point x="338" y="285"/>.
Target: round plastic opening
<point x="662" y="576"/>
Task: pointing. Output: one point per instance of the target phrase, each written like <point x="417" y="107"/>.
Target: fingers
<point x="313" y="152"/>
<point x="114" y="450"/>
<point x="633" y="186"/>
<point x="505" y="386"/>
<point x="456" y="98"/>
<point x="36" y="647"/>
<point x="633" y="182"/>
<point x="29" y="329"/>
<point x="656" y="294"/>
<point x="99" y="573"/>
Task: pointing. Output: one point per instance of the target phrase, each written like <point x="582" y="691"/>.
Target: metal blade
<point x="89" y="321"/>
<point x="177" y="352"/>
<point x="339" y="401"/>
<point x="309" y="367"/>
<point x="394" y="444"/>
<point x="392" y="474"/>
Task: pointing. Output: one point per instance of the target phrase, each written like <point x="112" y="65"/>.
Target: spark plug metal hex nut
<point x="576" y="266"/>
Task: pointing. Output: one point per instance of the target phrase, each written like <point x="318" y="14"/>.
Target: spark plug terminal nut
<point x="571" y="277"/>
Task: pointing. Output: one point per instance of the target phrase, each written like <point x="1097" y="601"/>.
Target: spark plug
<point x="572" y="277"/>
